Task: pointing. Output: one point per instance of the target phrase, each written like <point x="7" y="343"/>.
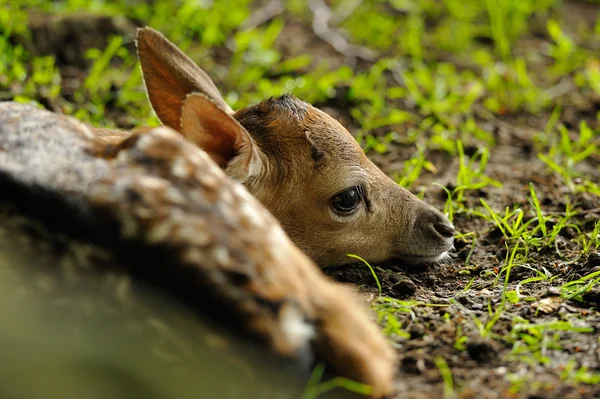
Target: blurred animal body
<point x="162" y="212"/>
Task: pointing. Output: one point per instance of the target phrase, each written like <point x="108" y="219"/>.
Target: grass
<point x="315" y="387"/>
<point x="453" y="86"/>
<point x="446" y="374"/>
<point x="370" y="269"/>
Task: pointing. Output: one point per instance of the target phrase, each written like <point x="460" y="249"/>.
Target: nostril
<point x="445" y="229"/>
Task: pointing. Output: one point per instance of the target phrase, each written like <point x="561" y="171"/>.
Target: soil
<point x="486" y="367"/>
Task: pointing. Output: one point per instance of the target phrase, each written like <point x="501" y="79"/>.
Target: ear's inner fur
<point x="170" y="76"/>
<point x="212" y="129"/>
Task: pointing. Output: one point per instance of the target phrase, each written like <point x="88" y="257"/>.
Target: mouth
<point x="429" y="259"/>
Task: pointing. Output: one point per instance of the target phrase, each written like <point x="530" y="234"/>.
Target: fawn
<point x="169" y="216"/>
<point x="299" y="162"/>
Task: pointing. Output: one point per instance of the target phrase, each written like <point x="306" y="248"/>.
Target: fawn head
<point x="303" y="165"/>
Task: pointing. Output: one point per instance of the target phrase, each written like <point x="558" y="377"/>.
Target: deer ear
<point x="170" y="75"/>
<point x="226" y="141"/>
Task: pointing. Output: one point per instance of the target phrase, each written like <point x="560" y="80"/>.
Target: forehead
<point x="331" y="137"/>
<point x="274" y="116"/>
<point x="291" y="133"/>
<point x="287" y="120"/>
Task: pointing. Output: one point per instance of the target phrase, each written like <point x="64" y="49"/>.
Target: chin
<point x="412" y="260"/>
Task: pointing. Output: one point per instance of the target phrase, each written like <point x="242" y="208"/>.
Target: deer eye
<point x="347" y="202"/>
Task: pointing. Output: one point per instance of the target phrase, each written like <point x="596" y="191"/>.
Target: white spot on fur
<point x="297" y="330"/>
<point x="194" y="256"/>
<point x="144" y="212"/>
<point x="173" y="195"/>
<point x="277" y="236"/>
<point x="153" y="183"/>
<point x="160" y="132"/>
<point x="194" y="234"/>
<point x="279" y="244"/>
<point x="252" y="214"/>
<point x="129" y="225"/>
<point x="200" y="158"/>
<point x="180" y="168"/>
<point x="146" y="140"/>
<point x="242" y="192"/>
<point x="207" y="178"/>
<point x="225" y="197"/>
<point x="160" y="232"/>
<point x="221" y="255"/>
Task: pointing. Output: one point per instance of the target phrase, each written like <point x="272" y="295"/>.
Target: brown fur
<point x="295" y="158"/>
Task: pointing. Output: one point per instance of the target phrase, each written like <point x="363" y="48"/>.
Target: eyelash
<point x="349" y="196"/>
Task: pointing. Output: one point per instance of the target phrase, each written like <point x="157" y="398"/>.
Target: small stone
<point x="410" y="364"/>
<point x="594" y="260"/>
<point x="552" y="291"/>
<point x="594" y="270"/>
<point x="548" y="305"/>
<point x="404" y="288"/>
<point x="592" y="296"/>
<point x="416" y="331"/>
<point x="463" y="300"/>
<point x="480" y="351"/>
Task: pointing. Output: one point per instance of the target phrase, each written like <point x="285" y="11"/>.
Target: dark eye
<point x="346" y="202"/>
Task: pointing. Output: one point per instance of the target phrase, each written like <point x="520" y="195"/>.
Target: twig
<point x="321" y="16"/>
<point x="344" y="12"/>
<point x="263" y="14"/>
<point x="560" y="89"/>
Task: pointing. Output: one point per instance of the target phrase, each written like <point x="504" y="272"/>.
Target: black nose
<point x="445" y="229"/>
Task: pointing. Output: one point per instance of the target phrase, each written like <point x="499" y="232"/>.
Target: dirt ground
<point x="485" y="369"/>
<point x="481" y="370"/>
<point x="447" y="299"/>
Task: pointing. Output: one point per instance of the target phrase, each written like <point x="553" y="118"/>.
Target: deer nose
<point x="445" y="229"/>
